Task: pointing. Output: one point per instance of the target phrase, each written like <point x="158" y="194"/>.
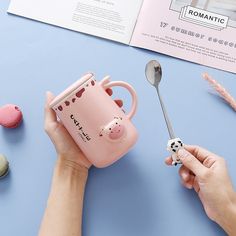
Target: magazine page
<point x="110" y="19"/>
<point x="201" y="31"/>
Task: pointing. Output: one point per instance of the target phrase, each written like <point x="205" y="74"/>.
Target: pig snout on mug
<point x="115" y="130"/>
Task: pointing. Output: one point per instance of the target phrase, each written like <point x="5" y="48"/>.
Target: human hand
<point x="65" y="146"/>
<point x="207" y="174"/>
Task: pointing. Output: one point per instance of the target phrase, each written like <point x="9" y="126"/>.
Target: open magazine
<point x="201" y="31"/>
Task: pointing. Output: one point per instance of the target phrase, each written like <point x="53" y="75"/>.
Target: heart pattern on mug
<point x="79" y="94"/>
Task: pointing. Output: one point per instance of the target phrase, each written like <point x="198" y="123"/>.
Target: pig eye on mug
<point x="116" y="123"/>
<point x="109" y="128"/>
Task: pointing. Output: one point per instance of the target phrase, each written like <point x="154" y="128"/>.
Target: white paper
<point x="110" y="19"/>
<point x="200" y="31"/>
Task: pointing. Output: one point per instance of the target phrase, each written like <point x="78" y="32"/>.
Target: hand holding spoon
<point x="153" y="74"/>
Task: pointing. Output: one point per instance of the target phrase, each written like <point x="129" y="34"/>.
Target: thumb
<point x="49" y="97"/>
<point x="191" y="162"/>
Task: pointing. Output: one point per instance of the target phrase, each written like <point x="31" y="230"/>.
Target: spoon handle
<point x="168" y="124"/>
<point x="173" y="146"/>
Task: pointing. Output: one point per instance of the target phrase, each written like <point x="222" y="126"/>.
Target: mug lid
<point x="70" y="89"/>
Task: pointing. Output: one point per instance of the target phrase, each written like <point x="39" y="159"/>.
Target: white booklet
<point x="110" y="19"/>
<point x="201" y="31"/>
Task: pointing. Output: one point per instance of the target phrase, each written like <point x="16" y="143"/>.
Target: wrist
<point x="77" y="159"/>
<point x="228" y="216"/>
<point x="68" y="183"/>
<point x="65" y="167"/>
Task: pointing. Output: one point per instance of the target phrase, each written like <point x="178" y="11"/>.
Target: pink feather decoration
<point x="221" y="90"/>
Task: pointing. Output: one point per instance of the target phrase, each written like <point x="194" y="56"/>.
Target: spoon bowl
<point x="153" y="72"/>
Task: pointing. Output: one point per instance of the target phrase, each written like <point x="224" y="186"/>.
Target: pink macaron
<point x="10" y="116"/>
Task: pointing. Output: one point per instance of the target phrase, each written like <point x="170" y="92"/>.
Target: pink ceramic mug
<point x="100" y="128"/>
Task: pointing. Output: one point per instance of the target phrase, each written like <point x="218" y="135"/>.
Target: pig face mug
<point x="101" y="129"/>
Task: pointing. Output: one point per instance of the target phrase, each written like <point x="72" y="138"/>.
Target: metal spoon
<point x="153" y="74"/>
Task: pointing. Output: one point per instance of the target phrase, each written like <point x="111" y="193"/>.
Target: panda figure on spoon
<point x="153" y="74"/>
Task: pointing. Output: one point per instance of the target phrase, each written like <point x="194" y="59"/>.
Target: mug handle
<point x="105" y="83"/>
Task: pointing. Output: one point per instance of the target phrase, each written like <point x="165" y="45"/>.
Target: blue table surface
<point x="138" y="195"/>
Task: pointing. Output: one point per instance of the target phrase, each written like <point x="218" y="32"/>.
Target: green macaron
<point x="4" y="166"/>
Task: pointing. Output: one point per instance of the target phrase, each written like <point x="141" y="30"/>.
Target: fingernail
<point x="189" y="186"/>
<point x="182" y="153"/>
